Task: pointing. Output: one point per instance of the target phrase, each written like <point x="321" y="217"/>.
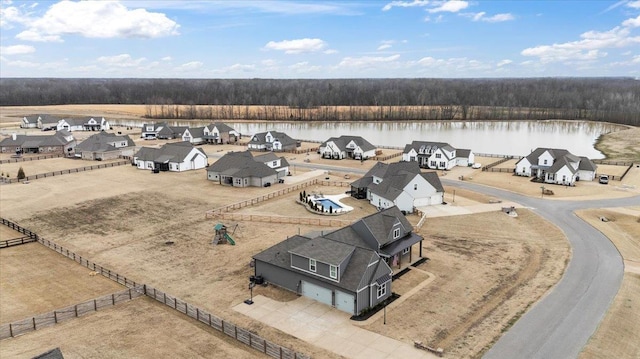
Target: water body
<point x="495" y="137"/>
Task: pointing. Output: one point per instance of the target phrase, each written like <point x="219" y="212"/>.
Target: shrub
<point x="21" y="174"/>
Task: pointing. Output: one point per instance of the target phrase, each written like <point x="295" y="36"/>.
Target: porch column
<point x="421" y="248"/>
<point x="400" y="260"/>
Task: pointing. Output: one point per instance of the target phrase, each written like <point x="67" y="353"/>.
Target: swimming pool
<point x="327" y="203"/>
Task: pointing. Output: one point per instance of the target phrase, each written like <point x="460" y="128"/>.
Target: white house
<point x="194" y="135"/>
<point x="47" y="122"/>
<point x="280" y="164"/>
<point x="83" y="124"/>
<point x="433" y="155"/>
<point x="271" y="141"/>
<point x="400" y="184"/>
<point x="219" y="133"/>
<point x="104" y="146"/>
<point x="175" y="157"/>
<point x="465" y="157"/>
<point x="354" y="147"/>
<point x="556" y="166"/>
<point x="29" y="122"/>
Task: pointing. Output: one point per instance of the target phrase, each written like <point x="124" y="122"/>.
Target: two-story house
<point x="350" y="268"/>
<point x="354" y="147"/>
<point x="400" y="184"/>
<point x="220" y="133"/>
<point x="556" y="166"/>
<point x="193" y="135"/>
<point x="83" y="124"/>
<point x="242" y="169"/>
<point x="432" y="155"/>
<point x="162" y="131"/>
<point x="272" y="141"/>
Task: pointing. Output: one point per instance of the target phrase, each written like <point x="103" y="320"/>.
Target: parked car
<point x="268" y="184"/>
<point x="604" y="179"/>
<point x="477" y="165"/>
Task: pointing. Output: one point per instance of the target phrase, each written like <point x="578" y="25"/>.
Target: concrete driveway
<point x="328" y="328"/>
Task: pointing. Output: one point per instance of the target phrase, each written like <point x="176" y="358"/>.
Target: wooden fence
<point x="491" y="165"/>
<point x="240" y="334"/>
<point x="62" y="172"/>
<point x="30" y="236"/>
<point x="49" y="319"/>
<point x="387" y="157"/>
<point x="282" y="219"/>
<point x="494" y="155"/>
<point x="135" y="290"/>
<point x="30" y="158"/>
<point x="504" y="170"/>
<point x="612" y="163"/>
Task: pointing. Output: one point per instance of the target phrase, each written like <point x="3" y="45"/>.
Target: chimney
<point x="13" y="136"/>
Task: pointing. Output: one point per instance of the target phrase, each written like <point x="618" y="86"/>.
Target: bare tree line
<point x="601" y="99"/>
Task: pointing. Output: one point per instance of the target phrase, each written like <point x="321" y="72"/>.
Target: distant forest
<point x="599" y="99"/>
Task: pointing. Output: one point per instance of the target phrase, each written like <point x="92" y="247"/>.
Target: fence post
<point x="129" y="293"/>
<point x="34" y="322"/>
<point x="209" y="319"/>
<point x="95" y="306"/>
<point x="10" y="330"/>
<point x="197" y="314"/>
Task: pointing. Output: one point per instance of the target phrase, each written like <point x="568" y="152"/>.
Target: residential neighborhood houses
<point x="556" y="166"/>
<point x="105" y="146"/>
<point x="350" y="268"/>
<point x="437" y="155"/>
<point x="161" y="131"/>
<point x="61" y="142"/>
<point x="175" y="157"/>
<point x="83" y="124"/>
<point x="219" y="133"/>
<point x="272" y="141"/>
<point x="400" y="184"/>
<point x="242" y="169"/>
<point x="43" y="122"/>
<point x="354" y="147"/>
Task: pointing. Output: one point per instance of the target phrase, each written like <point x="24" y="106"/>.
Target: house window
<point x="149" y="165"/>
<point x="545" y="162"/>
<point x="438" y="155"/>
<point x="382" y="290"/>
<point x="442" y="164"/>
<point x="333" y="272"/>
<point x="312" y="265"/>
<point x="396" y="233"/>
<point x="433" y="163"/>
<point x="238" y="181"/>
<point x="406" y="250"/>
<point x="275" y="163"/>
<point x="412" y="158"/>
<point x="415" y="186"/>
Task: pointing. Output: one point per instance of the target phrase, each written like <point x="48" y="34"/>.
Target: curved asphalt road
<point x="560" y="324"/>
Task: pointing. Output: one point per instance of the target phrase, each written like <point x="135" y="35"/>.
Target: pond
<point x="494" y="137"/>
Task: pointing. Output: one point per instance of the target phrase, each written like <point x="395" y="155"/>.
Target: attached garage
<point x="321" y="294"/>
<point x="345" y="302"/>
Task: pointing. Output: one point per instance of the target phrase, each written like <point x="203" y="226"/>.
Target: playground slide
<point x="229" y="239"/>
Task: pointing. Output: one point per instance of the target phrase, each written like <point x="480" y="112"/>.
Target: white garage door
<point x="316" y="292"/>
<point x="345" y="302"/>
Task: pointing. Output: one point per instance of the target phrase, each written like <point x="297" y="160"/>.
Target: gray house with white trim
<point x="242" y="169"/>
<point x="350" y="268"/>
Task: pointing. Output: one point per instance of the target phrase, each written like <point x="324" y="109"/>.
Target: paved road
<point x="561" y="323"/>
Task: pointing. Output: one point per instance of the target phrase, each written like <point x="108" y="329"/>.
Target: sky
<point x="319" y="39"/>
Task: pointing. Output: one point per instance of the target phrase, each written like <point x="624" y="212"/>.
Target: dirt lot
<point x="7" y="233"/>
<point x="127" y="223"/>
<point x="31" y="168"/>
<point x="617" y="336"/>
<point x="29" y="288"/>
<point x="621" y="145"/>
<point x="142" y="328"/>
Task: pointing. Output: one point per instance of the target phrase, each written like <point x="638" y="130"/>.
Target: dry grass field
<point x="617" y="336"/>
<point x="621" y="145"/>
<point x="29" y="287"/>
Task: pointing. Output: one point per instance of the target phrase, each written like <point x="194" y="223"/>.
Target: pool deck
<point x="335" y="198"/>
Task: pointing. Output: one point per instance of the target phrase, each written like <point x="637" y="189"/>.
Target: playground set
<point x="221" y="236"/>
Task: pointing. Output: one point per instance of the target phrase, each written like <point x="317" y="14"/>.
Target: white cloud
<point x="384" y="47"/>
<point x="166" y="58"/>
<point x="269" y="62"/>
<point x="636" y="59"/>
<point x="17" y="50"/>
<point x="367" y="61"/>
<point x="437" y="20"/>
<point x="122" y="60"/>
<point x="633" y="4"/>
<point x="495" y="18"/>
<point x="330" y="51"/>
<point x="241" y="67"/>
<point x="189" y="66"/>
<point x="590" y="47"/>
<point x="297" y="46"/>
<point x="504" y="62"/>
<point x="634" y="22"/>
<point x="96" y="19"/>
<point x="449" y="6"/>
<point x="405" y="4"/>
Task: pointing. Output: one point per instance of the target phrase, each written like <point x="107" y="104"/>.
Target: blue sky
<point x="319" y="39"/>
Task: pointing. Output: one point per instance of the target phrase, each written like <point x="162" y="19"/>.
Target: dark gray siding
<point x="278" y="276"/>
<point x="322" y="269"/>
<point x="362" y="300"/>
<point x="366" y="278"/>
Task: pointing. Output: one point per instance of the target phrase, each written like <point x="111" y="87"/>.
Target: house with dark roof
<point x="350" y="268"/>
<point x="105" y="146"/>
<point x="272" y="141"/>
<point x="219" y="133"/>
<point x="61" y="142"/>
<point x="29" y="121"/>
<point x="400" y="184"/>
<point x="83" y="124"/>
<point x="47" y="122"/>
<point x="436" y="155"/>
<point x="354" y="147"/>
<point x="175" y="157"/>
<point x="194" y="135"/>
<point x="162" y="131"/>
<point x="242" y="169"/>
<point x="556" y="166"/>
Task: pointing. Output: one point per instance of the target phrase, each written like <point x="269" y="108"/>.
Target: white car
<point x="477" y="165"/>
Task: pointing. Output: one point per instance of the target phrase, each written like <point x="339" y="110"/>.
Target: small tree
<point x="21" y="174"/>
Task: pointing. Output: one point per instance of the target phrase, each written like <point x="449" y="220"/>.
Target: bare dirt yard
<point x="31" y="168"/>
<point x="617" y="335"/>
<point x="484" y="278"/>
<point x="141" y="328"/>
<point x="35" y="280"/>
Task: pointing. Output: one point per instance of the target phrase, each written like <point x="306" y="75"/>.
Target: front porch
<point x="402" y="254"/>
